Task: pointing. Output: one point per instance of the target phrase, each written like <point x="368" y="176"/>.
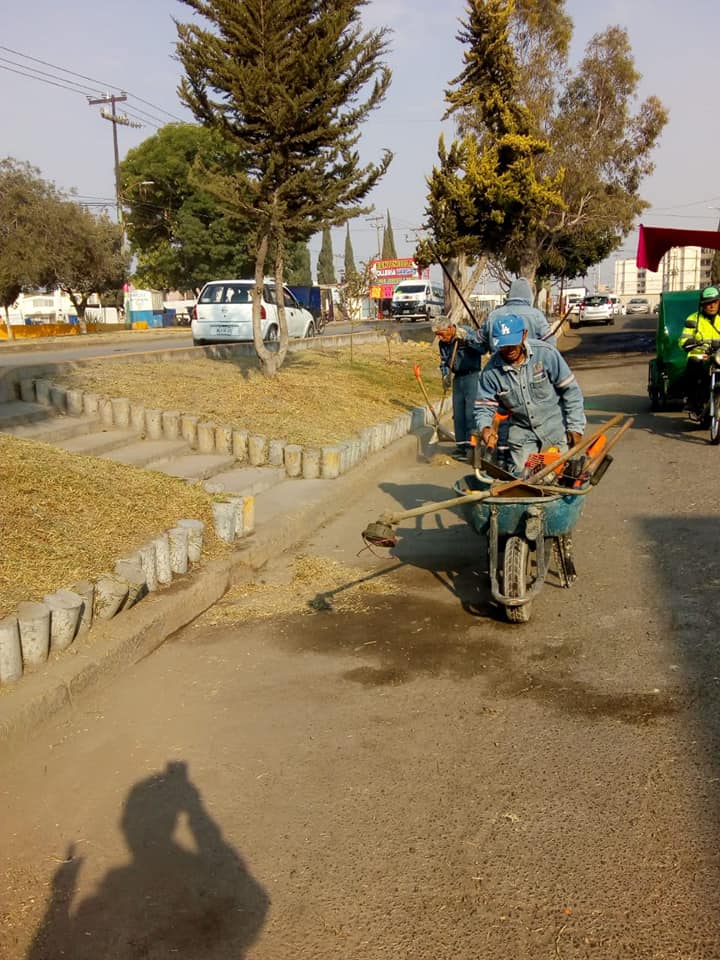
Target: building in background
<point x="682" y="268"/>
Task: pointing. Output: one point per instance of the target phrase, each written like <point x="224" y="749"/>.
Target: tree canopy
<point x="48" y="240"/>
<point x="388" y="243"/>
<point x="349" y="261"/>
<point x="181" y="234"/>
<point x="546" y="172"/>
<point x="325" y="264"/>
<point x="287" y="84"/>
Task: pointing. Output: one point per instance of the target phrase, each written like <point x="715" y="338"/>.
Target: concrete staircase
<point x="86" y="435"/>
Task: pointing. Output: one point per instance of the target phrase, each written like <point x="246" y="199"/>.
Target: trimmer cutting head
<point x="379" y="534"/>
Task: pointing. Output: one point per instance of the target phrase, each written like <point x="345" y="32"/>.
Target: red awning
<point x="654" y="242"/>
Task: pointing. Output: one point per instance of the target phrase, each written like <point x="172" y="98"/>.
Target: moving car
<point x="223" y="313"/>
<point x="417" y="300"/>
<point x="595" y="308"/>
<point x="638" y="305"/>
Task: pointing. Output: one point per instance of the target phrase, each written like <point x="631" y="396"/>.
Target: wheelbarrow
<point x="525" y="520"/>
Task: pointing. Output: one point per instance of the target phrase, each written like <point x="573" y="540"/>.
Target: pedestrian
<point x="529" y="381"/>
<point x="460" y="362"/>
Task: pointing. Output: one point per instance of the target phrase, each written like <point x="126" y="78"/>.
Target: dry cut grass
<point x="67" y="517"/>
<point x="316" y="398"/>
<point x="316" y="584"/>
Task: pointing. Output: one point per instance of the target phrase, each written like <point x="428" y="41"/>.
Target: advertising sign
<point x="386" y="274"/>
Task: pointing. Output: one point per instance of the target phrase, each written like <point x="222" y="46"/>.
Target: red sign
<point x="386" y="274"/>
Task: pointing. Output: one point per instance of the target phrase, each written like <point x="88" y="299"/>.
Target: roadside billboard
<point x="386" y="274"/>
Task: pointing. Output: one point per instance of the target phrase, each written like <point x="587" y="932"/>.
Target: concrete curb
<point x="119" y="643"/>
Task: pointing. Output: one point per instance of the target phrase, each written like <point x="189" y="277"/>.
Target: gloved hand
<point x="574" y="437"/>
<point x="447" y="381"/>
<point x="489" y="437"/>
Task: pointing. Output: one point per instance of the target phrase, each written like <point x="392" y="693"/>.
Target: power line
<point x="99" y="83"/>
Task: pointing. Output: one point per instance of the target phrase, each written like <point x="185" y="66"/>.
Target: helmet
<point x="507" y="331"/>
<point x="709" y="294"/>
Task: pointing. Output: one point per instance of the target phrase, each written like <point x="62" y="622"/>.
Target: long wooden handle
<point x="573" y="451"/>
<point x="595" y="461"/>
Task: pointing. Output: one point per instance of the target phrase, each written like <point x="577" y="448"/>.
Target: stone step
<point x="148" y="453"/>
<point x="195" y="466"/>
<point x="245" y="480"/>
<point x="18" y="412"/>
<point x="55" y="429"/>
<point x="96" y="444"/>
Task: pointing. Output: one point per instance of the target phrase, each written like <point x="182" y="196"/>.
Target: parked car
<point x="593" y="309"/>
<point x="223" y="313"/>
<point x="638" y="305"/>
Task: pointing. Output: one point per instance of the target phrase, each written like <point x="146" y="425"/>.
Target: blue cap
<point x="507" y="330"/>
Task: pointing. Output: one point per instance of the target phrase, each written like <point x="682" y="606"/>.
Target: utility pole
<point x="377" y="221"/>
<point x="115" y="118"/>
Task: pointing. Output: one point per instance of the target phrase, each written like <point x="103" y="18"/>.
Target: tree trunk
<point x="8" y="325"/>
<point x="268" y="359"/>
<point x="465" y="278"/>
<point x="280" y="300"/>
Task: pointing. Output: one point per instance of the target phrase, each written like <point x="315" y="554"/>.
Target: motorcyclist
<point x="701" y="328"/>
<point x="530" y="381"/>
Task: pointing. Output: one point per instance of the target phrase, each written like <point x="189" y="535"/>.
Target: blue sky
<point x="129" y="45"/>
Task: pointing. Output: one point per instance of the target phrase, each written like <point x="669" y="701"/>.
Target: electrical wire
<point x="82" y="76"/>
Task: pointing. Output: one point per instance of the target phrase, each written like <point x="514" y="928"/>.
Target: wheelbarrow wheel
<point x="516" y="569"/>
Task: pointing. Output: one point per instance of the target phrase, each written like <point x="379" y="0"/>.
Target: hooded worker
<point x="529" y="381"/>
<point x="519" y="303"/>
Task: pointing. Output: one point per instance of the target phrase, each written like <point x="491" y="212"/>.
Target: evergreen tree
<point x="349" y="264"/>
<point x="299" y="268"/>
<point x="325" y="266"/>
<point x="181" y="234"/>
<point x="283" y="81"/>
<point x="502" y="189"/>
<point x="388" y="245"/>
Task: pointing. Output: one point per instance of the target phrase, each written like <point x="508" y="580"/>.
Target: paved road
<point x="67" y="350"/>
<point x="406" y="775"/>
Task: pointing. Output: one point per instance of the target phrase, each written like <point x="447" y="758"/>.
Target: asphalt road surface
<point x="407" y="775"/>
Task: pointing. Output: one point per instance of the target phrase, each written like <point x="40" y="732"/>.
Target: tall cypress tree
<point x="299" y="268"/>
<point x="288" y="83"/>
<point x="350" y="268"/>
<point x="388" y="245"/>
<point x="325" y="267"/>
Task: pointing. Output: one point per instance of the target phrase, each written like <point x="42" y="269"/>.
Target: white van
<point x="417" y="300"/>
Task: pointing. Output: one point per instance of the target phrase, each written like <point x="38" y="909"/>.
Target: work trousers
<point x="464" y="395"/>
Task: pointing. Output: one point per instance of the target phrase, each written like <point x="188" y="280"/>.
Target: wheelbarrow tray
<point x="559" y="513"/>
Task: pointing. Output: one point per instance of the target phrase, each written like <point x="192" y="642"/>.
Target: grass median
<point x="68" y="517"/>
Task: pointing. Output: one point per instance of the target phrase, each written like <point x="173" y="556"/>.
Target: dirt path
<point x="405" y="775"/>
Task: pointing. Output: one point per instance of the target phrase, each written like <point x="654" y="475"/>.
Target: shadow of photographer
<point x="169" y="900"/>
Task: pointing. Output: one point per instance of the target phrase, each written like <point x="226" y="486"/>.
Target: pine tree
<point x="325" y="267"/>
<point x="546" y="174"/>
<point x="349" y="265"/>
<point x="388" y="245"/>
<point x="283" y="81"/>
<point x="299" y="267"/>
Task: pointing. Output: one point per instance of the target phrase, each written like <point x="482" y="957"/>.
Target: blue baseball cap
<point x="507" y="331"/>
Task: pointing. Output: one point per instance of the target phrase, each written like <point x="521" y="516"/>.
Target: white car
<point x="638" y="305"/>
<point x="594" y="308"/>
<point x="223" y="313"/>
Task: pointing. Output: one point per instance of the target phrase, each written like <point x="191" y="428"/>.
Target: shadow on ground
<point x="169" y="901"/>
